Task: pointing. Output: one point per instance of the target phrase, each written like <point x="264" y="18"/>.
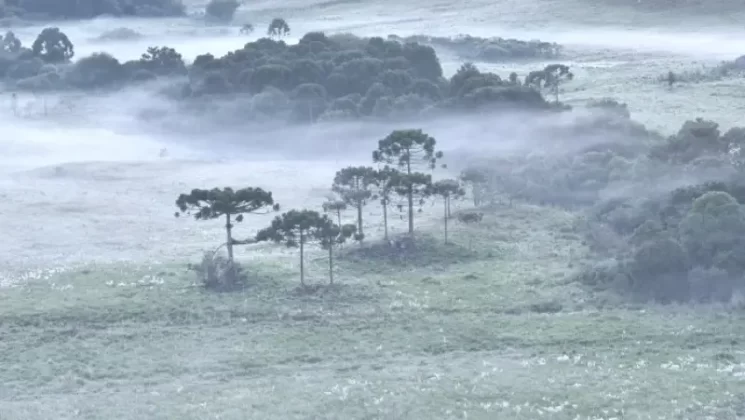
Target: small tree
<point x="384" y="191"/>
<point x="53" y="46"/>
<point x="278" y="28"/>
<point x="247" y="29"/>
<point x="296" y="228"/>
<point x="550" y="78"/>
<point x="448" y="189"/>
<point x="408" y="149"/>
<point x="355" y="186"/>
<point x="215" y="203"/>
<point x="335" y="206"/>
<point x="330" y="236"/>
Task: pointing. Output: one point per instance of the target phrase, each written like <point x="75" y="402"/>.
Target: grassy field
<point x="498" y="331"/>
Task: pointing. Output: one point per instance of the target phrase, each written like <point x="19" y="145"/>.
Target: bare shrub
<point x="216" y="273"/>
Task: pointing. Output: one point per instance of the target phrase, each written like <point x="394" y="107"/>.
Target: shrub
<point x="216" y="273"/>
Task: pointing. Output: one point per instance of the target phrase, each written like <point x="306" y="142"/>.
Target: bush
<point x="217" y="273"/>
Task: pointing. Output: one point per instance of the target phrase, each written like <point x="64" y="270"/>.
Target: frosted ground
<point x="98" y="319"/>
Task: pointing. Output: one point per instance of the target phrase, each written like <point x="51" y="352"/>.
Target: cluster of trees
<point x="402" y="156"/>
<point x="320" y="77"/>
<point x="76" y="9"/>
<point x="472" y="48"/>
<point x="666" y="214"/>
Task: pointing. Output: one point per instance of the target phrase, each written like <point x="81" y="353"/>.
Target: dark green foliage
<point x="53" y="46"/>
<point x="278" y="28"/>
<point x="162" y="61"/>
<point x="488" y="49"/>
<point x="96" y="71"/>
<point x="355" y="185"/>
<point x="405" y="251"/>
<point x="215" y="203"/>
<point x="221" y="10"/>
<point x="549" y="78"/>
<point x="296" y="228"/>
<point x="320" y="78"/>
<point x="408" y="150"/>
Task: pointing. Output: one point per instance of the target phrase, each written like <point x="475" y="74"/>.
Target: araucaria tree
<point x="215" y="203"/>
<point x="383" y="191"/>
<point x="355" y="185"/>
<point x="448" y="189"/>
<point x="336" y="207"/>
<point x="296" y="228"/>
<point x="409" y="150"/>
<point x="278" y="28"/>
<point x="330" y="236"/>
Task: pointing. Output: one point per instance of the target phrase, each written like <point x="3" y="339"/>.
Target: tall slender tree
<point x="409" y="150"/>
<point x="330" y="236"/>
<point x="215" y="203"/>
<point x="448" y="189"/>
<point x="296" y="228"/>
<point x="355" y="185"/>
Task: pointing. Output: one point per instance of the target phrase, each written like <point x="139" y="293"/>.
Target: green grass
<point x="502" y="334"/>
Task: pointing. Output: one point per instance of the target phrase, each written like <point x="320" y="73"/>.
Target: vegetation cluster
<point x="319" y="78"/>
<point x="663" y="215"/>
<point x="402" y="156"/>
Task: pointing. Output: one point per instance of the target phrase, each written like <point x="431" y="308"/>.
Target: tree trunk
<point x="449" y="215"/>
<point x="228" y="229"/>
<point x="331" y="264"/>
<point x="302" y="267"/>
<point x="359" y="220"/>
<point x="446" y="220"/>
<point x="338" y="216"/>
<point x="385" y="219"/>
<point x="410" y="193"/>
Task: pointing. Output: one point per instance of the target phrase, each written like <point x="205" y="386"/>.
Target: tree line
<point x="403" y="157"/>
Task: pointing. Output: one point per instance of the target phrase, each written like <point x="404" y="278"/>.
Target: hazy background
<point x="81" y="179"/>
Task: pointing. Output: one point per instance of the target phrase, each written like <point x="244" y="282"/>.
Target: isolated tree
<point x="215" y="203"/>
<point x="247" y="29"/>
<point x="330" y="236"/>
<point x="409" y="150"/>
<point x="355" y="185"/>
<point x="335" y="206"/>
<point x="278" y="28"/>
<point x="53" y="46"/>
<point x="550" y="78"/>
<point x="221" y="10"/>
<point x="296" y="228"/>
<point x="448" y="189"/>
